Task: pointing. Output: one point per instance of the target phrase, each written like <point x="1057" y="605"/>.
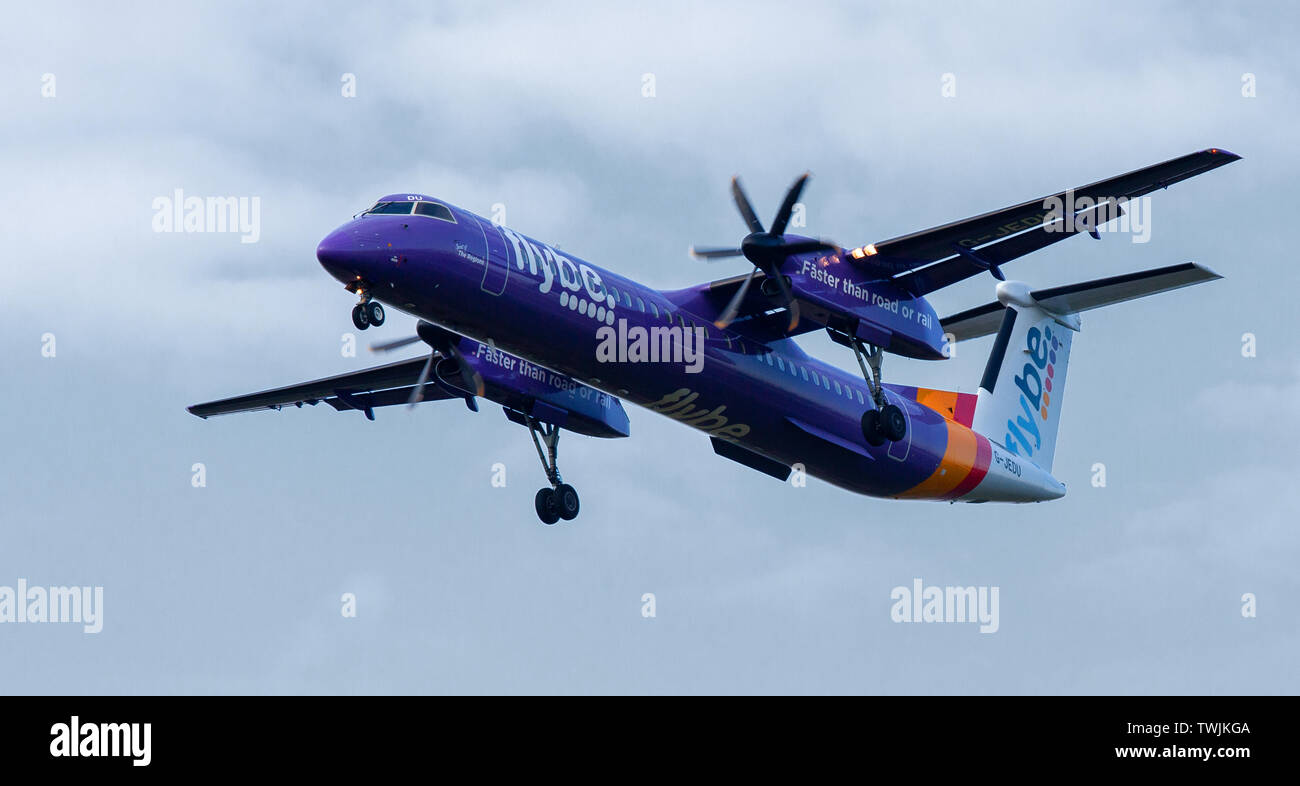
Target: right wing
<point x="1006" y="234"/>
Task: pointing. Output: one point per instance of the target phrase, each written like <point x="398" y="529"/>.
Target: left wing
<point x="380" y="386"/>
<point x="523" y="389"/>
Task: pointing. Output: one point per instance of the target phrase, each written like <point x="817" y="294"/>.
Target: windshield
<point x="434" y="210"/>
<point x="390" y="208"/>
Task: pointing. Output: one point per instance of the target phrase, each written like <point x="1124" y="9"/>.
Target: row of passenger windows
<point x="772" y="359"/>
<point x="430" y="209"/>
<point x="744" y="346"/>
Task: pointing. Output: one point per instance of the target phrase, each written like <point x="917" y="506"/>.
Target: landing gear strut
<point x="368" y="312"/>
<point x="886" y="422"/>
<point x="561" y="500"/>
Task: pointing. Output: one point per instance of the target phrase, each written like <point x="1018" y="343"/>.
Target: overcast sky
<point x="235" y="587"/>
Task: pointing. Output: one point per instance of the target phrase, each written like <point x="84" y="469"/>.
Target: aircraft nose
<point x="334" y="254"/>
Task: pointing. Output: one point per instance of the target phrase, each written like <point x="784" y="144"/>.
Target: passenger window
<point x="804" y="372"/>
<point x="640" y="304"/>
<point x="654" y="309"/>
<point x="780" y="364"/>
<point x="627" y="299"/>
<point x="434" y="210"/>
<point x="826" y="383"/>
<point x="837" y="387"/>
<point x="860" y="399"/>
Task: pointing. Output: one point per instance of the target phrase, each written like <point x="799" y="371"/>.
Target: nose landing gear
<point x="368" y="312"/>
<point x="561" y="500"/>
<point x="885" y="423"/>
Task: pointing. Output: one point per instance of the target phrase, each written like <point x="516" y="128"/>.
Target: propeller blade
<point x="788" y="297"/>
<point x="715" y="253"/>
<point x="787" y="207"/>
<point x="417" y="395"/>
<point x="388" y="346"/>
<point x="746" y="209"/>
<point x="472" y="380"/>
<point x="805" y="246"/>
<point x="734" y="306"/>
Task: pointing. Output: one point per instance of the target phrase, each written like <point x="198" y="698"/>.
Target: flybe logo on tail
<point x="1034" y="382"/>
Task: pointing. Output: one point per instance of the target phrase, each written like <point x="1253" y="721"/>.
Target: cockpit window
<point x="434" y="210"/>
<point x="391" y="208"/>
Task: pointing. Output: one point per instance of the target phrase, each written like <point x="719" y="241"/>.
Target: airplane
<point x="560" y="343"/>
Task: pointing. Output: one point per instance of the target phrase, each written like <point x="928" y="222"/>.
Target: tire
<point x="566" y="502"/>
<point x="375" y="313"/>
<point x="893" y="423"/>
<point x="359" y="317"/>
<point x="871" y="428"/>
<point x="547" y="510"/>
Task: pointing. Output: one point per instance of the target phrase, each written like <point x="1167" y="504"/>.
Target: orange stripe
<point x="942" y="401"/>
<point x="958" y="459"/>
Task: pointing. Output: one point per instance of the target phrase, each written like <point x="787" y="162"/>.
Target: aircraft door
<point x="497" y="257"/>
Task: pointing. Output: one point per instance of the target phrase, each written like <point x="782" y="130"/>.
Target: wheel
<point x="566" y="501"/>
<point x="547" y="510"/>
<point x="893" y="424"/>
<point x="359" y="317"/>
<point x="871" y="428"/>
<point x="375" y="313"/>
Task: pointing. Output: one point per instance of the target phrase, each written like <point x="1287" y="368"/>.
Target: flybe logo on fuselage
<point x="679" y="405"/>
<point x="1024" y="435"/>
<point x="576" y="279"/>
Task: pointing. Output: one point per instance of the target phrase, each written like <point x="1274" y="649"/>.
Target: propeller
<point x="768" y="250"/>
<point x="444" y="344"/>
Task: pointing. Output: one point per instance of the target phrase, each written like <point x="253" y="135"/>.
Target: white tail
<point x="1020" y="395"/>
<point x="1019" y="403"/>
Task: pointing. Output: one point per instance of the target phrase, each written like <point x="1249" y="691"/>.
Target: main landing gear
<point x="561" y="500"/>
<point x="886" y="422"/>
<point x="368" y="312"/>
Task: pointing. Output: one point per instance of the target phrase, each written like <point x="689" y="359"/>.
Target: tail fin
<point x="1019" y="403"/>
<point x="1020" y="395"/>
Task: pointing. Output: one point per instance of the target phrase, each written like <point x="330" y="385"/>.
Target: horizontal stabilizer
<point x="1074" y="298"/>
